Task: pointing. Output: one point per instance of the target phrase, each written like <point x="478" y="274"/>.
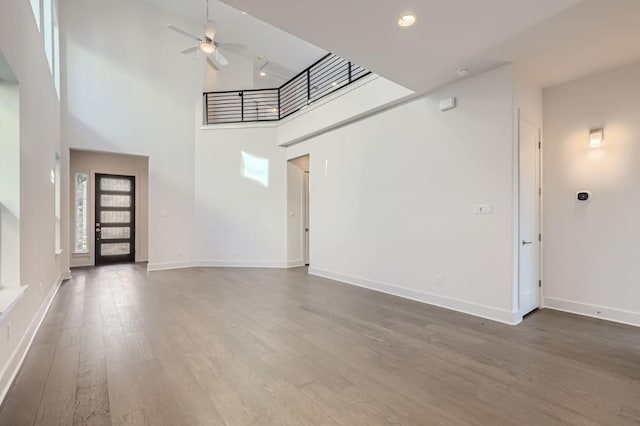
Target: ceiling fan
<point x="207" y="43"/>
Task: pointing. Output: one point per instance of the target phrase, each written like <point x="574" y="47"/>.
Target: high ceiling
<point x="557" y="40"/>
<point x="286" y="54"/>
<point x="592" y="36"/>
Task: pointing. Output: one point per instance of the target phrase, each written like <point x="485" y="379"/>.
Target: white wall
<point x="128" y="91"/>
<point x="344" y="105"/>
<point x="591" y="248"/>
<point x="91" y="163"/>
<point x="40" y="268"/>
<point x="393" y="196"/>
<point x="241" y="198"/>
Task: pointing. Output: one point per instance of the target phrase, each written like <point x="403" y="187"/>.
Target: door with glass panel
<point x="115" y="219"/>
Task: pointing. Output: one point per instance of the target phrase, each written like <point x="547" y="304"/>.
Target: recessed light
<point x="243" y="12"/>
<point x="263" y="74"/>
<point x="463" y="72"/>
<point x="407" y="20"/>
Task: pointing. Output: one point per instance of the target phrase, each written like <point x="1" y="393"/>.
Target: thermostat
<point x="584" y="195"/>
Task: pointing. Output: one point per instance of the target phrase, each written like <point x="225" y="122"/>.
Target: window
<point x="56" y="181"/>
<point x="47" y="21"/>
<point x="35" y="7"/>
<point x="56" y="48"/>
<point x="81" y="197"/>
<point x="9" y="183"/>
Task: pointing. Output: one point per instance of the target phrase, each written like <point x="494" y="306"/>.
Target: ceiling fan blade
<point x="219" y="58"/>
<point x="213" y="64"/>
<point x="183" y="32"/>
<point x="189" y="50"/>
<point x="233" y="47"/>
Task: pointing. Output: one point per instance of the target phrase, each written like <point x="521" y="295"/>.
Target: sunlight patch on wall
<point x="255" y="168"/>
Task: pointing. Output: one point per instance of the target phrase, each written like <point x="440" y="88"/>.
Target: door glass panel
<point x="115" y="217"/>
<point x="115" y="233"/>
<point x="113" y="184"/>
<point x="114" y="249"/>
<point x="115" y="200"/>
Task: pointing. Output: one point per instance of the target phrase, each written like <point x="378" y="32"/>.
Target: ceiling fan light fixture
<point x="207" y="46"/>
<point x="407" y="20"/>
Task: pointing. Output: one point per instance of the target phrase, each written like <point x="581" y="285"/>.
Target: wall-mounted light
<point x="596" y="137"/>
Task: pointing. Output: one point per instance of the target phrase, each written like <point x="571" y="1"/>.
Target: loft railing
<point x="329" y="74"/>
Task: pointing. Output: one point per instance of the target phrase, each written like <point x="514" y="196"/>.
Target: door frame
<point x="92" y="209"/>
<point x="306" y="208"/>
<point x="539" y="212"/>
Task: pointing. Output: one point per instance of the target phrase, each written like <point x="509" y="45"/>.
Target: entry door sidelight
<point x="115" y="219"/>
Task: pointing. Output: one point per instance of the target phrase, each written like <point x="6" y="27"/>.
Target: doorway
<point x="298" y="211"/>
<point x="529" y="220"/>
<point x="115" y="219"/>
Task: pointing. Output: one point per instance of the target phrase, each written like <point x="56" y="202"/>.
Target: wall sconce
<point x="596" y="136"/>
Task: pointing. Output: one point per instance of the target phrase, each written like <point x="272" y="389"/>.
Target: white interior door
<point x="529" y="257"/>
<point x="306" y="217"/>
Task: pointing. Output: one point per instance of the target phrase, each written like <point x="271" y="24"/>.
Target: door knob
<point x="524" y="242"/>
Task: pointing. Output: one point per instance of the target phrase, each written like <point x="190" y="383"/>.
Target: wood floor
<point x="250" y="347"/>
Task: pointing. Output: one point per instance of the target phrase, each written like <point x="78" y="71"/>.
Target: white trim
<point x="295" y="263"/>
<point x="221" y="264"/>
<point x="244" y="125"/>
<point x="10" y="371"/>
<point x="593" y="311"/>
<point x="240" y="264"/>
<point x="163" y="266"/>
<point x="483" y="311"/>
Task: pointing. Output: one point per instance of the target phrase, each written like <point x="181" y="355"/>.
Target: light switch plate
<point x="483" y="209"/>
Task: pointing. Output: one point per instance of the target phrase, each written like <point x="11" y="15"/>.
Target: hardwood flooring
<point x="121" y="346"/>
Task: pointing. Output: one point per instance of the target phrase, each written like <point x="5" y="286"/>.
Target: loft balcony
<point x="328" y="75"/>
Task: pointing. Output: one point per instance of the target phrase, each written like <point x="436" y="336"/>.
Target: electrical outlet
<point x="439" y="280"/>
<point x="41" y="288"/>
<point x="8" y="332"/>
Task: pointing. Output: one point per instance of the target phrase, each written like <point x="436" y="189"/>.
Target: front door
<point x="529" y="291"/>
<point x="115" y="219"/>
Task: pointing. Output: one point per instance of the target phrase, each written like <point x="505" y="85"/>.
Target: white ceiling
<point x="289" y="54"/>
<point x="593" y="36"/>
<point x="558" y="40"/>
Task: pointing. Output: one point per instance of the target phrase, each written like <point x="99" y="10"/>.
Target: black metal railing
<point x="329" y="74"/>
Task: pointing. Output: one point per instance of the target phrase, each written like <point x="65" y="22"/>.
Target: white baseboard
<point x="483" y="311"/>
<point x="295" y="264"/>
<point x="239" y="264"/>
<point x="169" y="265"/>
<point x="218" y="264"/>
<point x="594" y="311"/>
<point x="66" y="275"/>
<point x="8" y="375"/>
